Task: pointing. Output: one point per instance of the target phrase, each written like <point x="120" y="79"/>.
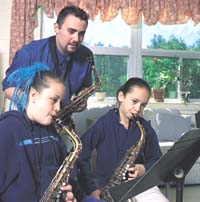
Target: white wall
<point x="5" y="13"/>
<point x="5" y="19"/>
<point x="5" y="16"/>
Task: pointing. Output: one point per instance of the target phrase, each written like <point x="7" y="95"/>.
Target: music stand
<point x="172" y="167"/>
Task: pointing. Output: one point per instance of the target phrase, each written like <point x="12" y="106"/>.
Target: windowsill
<point x="175" y="101"/>
<point x="112" y="100"/>
<point x="189" y="108"/>
<point x="108" y="101"/>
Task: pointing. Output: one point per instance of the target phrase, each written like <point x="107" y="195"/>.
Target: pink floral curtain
<point x="24" y="19"/>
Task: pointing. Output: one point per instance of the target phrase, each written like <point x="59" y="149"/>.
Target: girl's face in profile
<point x="44" y="105"/>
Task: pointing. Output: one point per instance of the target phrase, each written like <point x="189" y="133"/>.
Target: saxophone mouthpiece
<point x="133" y="117"/>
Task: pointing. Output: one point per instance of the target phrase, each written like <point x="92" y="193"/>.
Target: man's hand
<point x="82" y="106"/>
<point x="83" y="103"/>
<point x="69" y="196"/>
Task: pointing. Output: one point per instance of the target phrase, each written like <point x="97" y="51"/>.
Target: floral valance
<point x="24" y="18"/>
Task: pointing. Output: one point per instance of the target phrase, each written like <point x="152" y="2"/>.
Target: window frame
<point x="135" y="53"/>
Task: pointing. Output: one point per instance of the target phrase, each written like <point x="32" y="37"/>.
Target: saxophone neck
<point x="96" y="76"/>
<point x="72" y="135"/>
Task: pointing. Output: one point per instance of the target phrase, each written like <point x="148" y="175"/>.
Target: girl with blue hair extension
<point x="31" y="151"/>
<point x="22" y="79"/>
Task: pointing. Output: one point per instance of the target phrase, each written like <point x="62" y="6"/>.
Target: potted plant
<point x="159" y="88"/>
<point x="101" y="89"/>
<point x="163" y="82"/>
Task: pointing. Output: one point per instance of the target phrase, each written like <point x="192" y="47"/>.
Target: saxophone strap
<point x="66" y="75"/>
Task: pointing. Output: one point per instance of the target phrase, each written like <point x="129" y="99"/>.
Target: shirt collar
<point x="62" y="59"/>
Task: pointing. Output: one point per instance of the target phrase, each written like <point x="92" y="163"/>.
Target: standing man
<point x="62" y="53"/>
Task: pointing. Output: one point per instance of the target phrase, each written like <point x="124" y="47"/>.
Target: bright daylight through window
<point x="171" y="58"/>
<point x="165" y="55"/>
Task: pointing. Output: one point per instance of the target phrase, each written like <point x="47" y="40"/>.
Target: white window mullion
<point x="135" y="57"/>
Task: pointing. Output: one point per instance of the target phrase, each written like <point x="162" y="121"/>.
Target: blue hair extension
<point x="22" y="79"/>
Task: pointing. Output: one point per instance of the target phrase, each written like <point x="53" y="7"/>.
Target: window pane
<point x="186" y="34"/>
<point x="162" y="73"/>
<point x="190" y="77"/>
<point x="47" y="29"/>
<point x="115" y="33"/>
<point x="112" y="71"/>
<point x="171" y="74"/>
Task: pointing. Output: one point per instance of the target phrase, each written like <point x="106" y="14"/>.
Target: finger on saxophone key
<point x="59" y="196"/>
<point x="67" y="194"/>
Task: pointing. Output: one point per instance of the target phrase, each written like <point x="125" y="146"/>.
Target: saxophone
<point x="64" y="125"/>
<point x="67" y="111"/>
<point x="53" y="192"/>
<point x="121" y="171"/>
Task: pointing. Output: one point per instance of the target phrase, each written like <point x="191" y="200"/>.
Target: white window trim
<point x="136" y="52"/>
<point x="171" y="53"/>
<point x="133" y="53"/>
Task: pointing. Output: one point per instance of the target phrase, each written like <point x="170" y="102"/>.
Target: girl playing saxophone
<point x="31" y="150"/>
<point x="112" y="135"/>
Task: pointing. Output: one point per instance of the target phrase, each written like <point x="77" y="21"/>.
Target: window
<point x="162" y="72"/>
<point x="180" y="65"/>
<point x="185" y="33"/>
<point x="111" y="51"/>
<point x="108" y="34"/>
<point x="151" y="52"/>
<point x="113" y="72"/>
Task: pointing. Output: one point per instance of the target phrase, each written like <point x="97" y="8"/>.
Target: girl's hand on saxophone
<point x="136" y="171"/>
<point x="69" y="196"/>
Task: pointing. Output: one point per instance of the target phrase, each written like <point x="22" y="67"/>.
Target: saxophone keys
<point x="59" y="196"/>
<point x="124" y="177"/>
<point x="64" y="184"/>
<point x="127" y="166"/>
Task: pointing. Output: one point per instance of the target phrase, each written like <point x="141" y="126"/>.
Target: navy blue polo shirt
<point x="39" y="51"/>
<point x="30" y="157"/>
<point x="111" y="140"/>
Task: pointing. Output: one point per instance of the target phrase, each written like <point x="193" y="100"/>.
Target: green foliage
<point x="158" y="42"/>
<point x="112" y="71"/>
<point x="189" y="76"/>
<point x="104" y="84"/>
<point x="160" y="72"/>
<point x="168" y="72"/>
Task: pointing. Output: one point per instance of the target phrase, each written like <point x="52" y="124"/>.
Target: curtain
<point x="24" y="18"/>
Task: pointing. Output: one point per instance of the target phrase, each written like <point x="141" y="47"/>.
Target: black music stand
<point x="172" y="167"/>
